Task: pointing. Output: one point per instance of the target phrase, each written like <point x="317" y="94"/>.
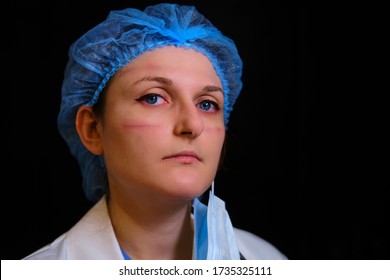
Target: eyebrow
<point x="166" y="81"/>
<point x="212" y="88"/>
<point x="159" y="79"/>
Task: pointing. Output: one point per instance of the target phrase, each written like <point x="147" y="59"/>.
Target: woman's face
<point x="163" y="127"/>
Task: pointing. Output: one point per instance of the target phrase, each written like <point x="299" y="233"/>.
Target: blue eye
<point x="151" y="99"/>
<point x="208" y="105"/>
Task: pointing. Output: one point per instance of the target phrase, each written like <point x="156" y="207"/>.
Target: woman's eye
<point x="208" y="105"/>
<point x="152" y="99"/>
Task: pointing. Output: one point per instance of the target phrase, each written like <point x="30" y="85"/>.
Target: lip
<point x="184" y="157"/>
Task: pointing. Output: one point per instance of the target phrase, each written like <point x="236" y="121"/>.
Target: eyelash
<point x="154" y="95"/>
<point x="211" y="102"/>
<point x="149" y="95"/>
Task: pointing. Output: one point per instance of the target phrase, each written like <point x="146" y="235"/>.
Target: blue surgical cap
<point x="126" y="34"/>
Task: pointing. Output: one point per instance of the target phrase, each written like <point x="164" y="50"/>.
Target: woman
<point x="146" y="101"/>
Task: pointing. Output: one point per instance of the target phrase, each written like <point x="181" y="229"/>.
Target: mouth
<point x="183" y="157"/>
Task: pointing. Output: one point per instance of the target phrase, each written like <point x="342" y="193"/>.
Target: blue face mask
<point x="214" y="237"/>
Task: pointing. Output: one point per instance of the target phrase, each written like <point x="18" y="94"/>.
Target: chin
<point x="186" y="190"/>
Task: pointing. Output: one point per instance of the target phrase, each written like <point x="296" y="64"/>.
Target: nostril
<point x="186" y="133"/>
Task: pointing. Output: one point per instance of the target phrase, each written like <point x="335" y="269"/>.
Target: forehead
<point x="171" y="58"/>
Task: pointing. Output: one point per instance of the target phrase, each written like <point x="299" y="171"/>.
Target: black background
<point x="306" y="167"/>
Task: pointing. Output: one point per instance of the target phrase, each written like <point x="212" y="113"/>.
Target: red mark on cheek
<point x="142" y="125"/>
<point x="216" y="129"/>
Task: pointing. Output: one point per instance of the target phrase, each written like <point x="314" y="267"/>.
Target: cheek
<point x="140" y="125"/>
<point x="216" y="132"/>
<point x="133" y="140"/>
<point x="121" y="132"/>
<point x="144" y="132"/>
<point x="215" y="141"/>
<point x="143" y="128"/>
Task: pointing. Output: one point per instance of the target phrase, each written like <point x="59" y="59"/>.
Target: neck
<point x="153" y="231"/>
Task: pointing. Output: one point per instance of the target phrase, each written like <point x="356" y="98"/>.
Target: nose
<point x="189" y="122"/>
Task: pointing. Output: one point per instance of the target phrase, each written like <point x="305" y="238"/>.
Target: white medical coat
<point x="93" y="238"/>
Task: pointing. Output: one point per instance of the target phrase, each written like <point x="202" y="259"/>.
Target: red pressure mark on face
<point x="142" y="125"/>
<point x="217" y="129"/>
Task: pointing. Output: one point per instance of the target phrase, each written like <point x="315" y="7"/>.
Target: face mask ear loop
<point x="211" y="194"/>
<point x="222" y="244"/>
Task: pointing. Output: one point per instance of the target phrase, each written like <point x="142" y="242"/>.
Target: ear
<point x="88" y="129"/>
